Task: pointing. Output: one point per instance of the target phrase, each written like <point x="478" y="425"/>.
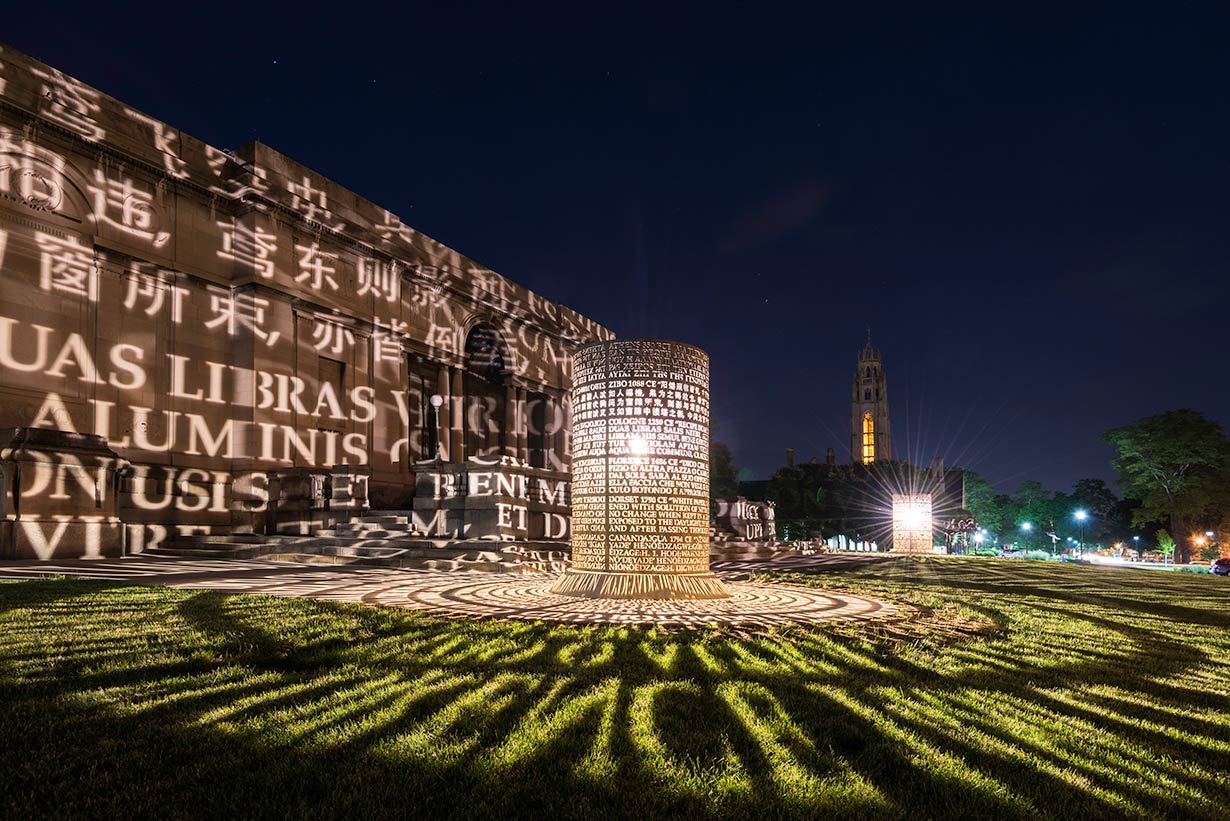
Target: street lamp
<point x="1136" y="539"/>
<point x="436" y="401"/>
<point x="1081" y="516"/>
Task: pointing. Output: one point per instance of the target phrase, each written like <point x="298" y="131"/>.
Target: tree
<point x="1177" y="464"/>
<point x="1034" y="504"/>
<point x="1102" y="505"/>
<point x="723" y="479"/>
<point x="1165" y="544"/>
<point x="796" y="492"/>
<point x="990" y="509"/>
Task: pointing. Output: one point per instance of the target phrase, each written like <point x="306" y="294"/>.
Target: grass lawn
<point x="1024" y="689"/>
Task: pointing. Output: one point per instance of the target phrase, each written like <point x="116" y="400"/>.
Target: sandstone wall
<point x="216" y="315"/>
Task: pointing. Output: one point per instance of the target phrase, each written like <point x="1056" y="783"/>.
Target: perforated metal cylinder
<point x="640" y="472"/>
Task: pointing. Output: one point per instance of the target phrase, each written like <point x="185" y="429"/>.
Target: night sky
<point x="1029" y="211"/>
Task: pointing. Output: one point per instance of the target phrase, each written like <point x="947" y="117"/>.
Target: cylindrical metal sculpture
<point x="640" y="473"/>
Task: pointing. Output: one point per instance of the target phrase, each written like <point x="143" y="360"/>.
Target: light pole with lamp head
<point x="436" y="401"/>
<point x="1081" y="516"/>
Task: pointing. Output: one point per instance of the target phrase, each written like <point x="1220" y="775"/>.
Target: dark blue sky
<point x="1029" y="209"/>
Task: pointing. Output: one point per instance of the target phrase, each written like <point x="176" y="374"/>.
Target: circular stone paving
<point x="528" y="597"/>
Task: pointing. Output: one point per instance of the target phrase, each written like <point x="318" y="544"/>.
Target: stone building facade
<point x="195" y="340"/>
<point x="745" y="520"/>
<point x="871" y="437"/>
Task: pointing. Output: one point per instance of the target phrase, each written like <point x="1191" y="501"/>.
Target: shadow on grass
<point x="123" y="700"/>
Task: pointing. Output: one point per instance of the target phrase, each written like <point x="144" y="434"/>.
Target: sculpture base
<point x="589" y="584"/>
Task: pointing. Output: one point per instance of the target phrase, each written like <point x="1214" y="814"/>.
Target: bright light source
<point x="639" y="528"/>
<point x="912" y="523"/>
<point x="1027" y="526"/>
<point x="1081" y="515"/>
<point x="436" y="400"/>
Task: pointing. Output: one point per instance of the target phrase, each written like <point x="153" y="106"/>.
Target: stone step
<point x="381" y="519"/>
<point x="368" y="532"/>
<point x="219" y="538"/>
<point x="424" y="558"/>
<point x="404" y="550"/>
<point x="173" y="549"/>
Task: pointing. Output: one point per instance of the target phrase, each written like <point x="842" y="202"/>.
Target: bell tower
<point x="870" y="434"/>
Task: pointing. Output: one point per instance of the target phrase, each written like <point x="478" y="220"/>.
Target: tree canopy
<point x="723" y="478"/>
<point x="1177" y="465"/>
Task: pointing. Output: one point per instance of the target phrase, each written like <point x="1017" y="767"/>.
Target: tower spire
<point x="870" y="436"/>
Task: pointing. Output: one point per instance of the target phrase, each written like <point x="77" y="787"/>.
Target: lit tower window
<point x="869" y="439"/>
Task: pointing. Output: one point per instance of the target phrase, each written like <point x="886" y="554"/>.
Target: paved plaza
<point x="523" y="596"/>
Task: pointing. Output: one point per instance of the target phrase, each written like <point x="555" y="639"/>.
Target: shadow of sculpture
<point x="1084" y="700"/>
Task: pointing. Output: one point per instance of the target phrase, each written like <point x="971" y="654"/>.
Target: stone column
<point x="640" y="473"/>
<point x="446" y="418"/>
<point x="511" y="419"/>
<point x="561" y="427"/>
<point x="457" y="414"/>
<point x="550" y="432"/>
<point x="523" y="453"/>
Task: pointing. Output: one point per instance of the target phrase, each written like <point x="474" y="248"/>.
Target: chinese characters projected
<point x="640" y="481"/>
<point x="196" y="341"/>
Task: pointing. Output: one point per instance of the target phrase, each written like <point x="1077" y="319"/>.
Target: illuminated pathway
<point x="499" y="595"/>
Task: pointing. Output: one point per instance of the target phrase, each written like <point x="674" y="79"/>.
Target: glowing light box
<point x="912" y="523"/>
<point x="640" y="473"/>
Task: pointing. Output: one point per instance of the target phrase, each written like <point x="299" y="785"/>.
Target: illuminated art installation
<point x="912" y="523"/>
<point x="640" y="473"/>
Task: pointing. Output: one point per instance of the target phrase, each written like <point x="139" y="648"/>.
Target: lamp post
<point x="436" y="401"/>
<point x="1136" y="539"/>
<point x="1081" y="516"/>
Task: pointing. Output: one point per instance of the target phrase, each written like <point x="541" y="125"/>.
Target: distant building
<point x="870" y="431"/>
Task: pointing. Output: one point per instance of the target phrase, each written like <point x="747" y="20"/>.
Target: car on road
<point x="1220" y="567"/>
